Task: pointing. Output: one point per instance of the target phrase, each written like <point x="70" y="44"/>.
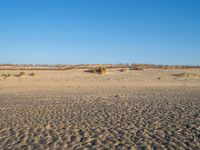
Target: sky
<point x="100" y="31"/>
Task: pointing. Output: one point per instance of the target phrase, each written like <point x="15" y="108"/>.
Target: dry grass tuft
<point x="99" y="70"/>
<point x="186" y="75"/>
<point x="135" y="67"/>
<point x="20" y="74"/>
<point x="31" y="74"/>
<point x="123" y="70"/>
<point x="5" y="75"/>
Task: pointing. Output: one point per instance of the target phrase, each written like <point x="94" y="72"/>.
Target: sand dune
<point x="111" y="113"/>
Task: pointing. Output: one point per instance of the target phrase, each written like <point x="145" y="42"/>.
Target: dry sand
<point x="150" y="109"/>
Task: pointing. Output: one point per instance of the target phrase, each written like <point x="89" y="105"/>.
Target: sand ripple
<point x="152" y="119"/>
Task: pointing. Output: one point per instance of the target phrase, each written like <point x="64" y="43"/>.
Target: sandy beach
<point x="75" y="109"/>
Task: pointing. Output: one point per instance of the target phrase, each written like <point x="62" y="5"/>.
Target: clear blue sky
<point x="100" y="31"/>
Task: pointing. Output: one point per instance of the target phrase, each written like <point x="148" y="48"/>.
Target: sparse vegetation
<point x="5" y="75"/>
<point x="123" y="70"/>
<point x="20" y="74"/>
<point x="31" y="74"/>
<point x="159" y="78"/>
<point x="99" y="70"/>
<point x="135" y="67"/>
<point x="186" y="75"/>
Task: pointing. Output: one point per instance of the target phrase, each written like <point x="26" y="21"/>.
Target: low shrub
<point x="5" y="75"/>
<point x="21" y="73"/>
<point x="31" y="74"/>
<point x="123" y="70"/>
<point x="135" y="67"/>
<point x="99" y="70"/>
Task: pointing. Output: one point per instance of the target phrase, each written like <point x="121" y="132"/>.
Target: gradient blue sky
<point x="100" y="31"/>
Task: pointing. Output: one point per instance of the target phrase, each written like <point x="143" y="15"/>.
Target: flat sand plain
<point x="149" y="109"/>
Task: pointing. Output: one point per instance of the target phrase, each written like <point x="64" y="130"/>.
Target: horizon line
<point x="42" y="64"/>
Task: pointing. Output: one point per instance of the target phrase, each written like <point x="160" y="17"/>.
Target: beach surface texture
<point x="76" y="109"/>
